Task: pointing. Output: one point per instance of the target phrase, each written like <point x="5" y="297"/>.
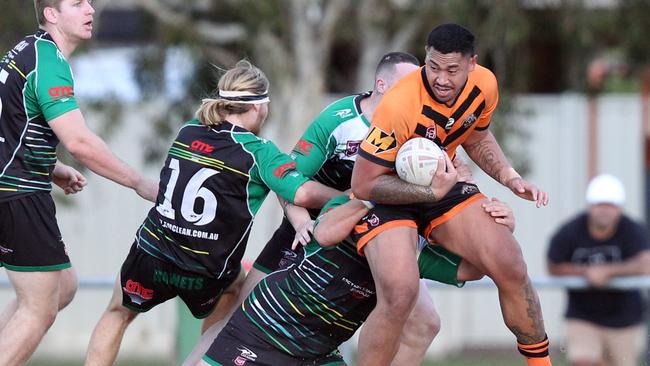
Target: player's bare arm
<point x="377" y="183"/>
<point x="483" y="149"/>
<point x="300" y="220"/>
<point x="336" y="224"/>
<point x="92" y="151"/>
<point x="314" y="195"/>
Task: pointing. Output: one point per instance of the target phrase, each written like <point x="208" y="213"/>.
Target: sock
<point x="536" y="354"/>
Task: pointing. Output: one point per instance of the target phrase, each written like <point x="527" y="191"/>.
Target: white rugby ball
<point x="417" y="161"/>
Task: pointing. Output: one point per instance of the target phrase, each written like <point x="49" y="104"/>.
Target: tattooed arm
<point x="483" y="149"/>
<point x="377" y="183"/>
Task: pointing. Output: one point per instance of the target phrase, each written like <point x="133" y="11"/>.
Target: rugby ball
<point x="417" y="161"/>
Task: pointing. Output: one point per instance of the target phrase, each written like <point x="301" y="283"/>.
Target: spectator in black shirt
<point x="599" y="244"/>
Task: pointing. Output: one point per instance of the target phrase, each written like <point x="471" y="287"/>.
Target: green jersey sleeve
<point x="275" y="169"/>
<point x="53" y="84"/>
<point x="315" y="146"/>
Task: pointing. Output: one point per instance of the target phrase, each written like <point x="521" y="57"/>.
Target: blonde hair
<point x="40" y="5"/>
<point x="244" y="77"/>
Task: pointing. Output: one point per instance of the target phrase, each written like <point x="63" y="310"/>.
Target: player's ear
<point x="472" y="62"/>
<point x="381" y="85"/>
<point x="50" y="14"/>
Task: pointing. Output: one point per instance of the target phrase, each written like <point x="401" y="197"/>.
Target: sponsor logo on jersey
<point x="303" y="147"/>
<point x="283" y="169"/>
<point x="137" y="292"/>
<point x="469" y="189"/>
<point x="430" y="133"/>
<point x="4" y="250"/>
<point x="359" y="291"/>
<point x="343" y="113"/>
<point x="450" y="123"/>
<point x="352" y="147"/>
<point x="469" y="120"/>
<point x="381" y="140"/>
<point x="60" y="92"/>
<point x="373" y="220"/>
<point x="212" y="300"/>
<point x="245" y="355"/>
<point x="198" y="145"/>
<point x="20" y="46"/>
<point x="289" y="257"/>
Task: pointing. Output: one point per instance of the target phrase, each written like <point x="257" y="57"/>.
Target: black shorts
<point x="30" y="239"/>
<point x="277" y="253"/>
<point x="241" y="343"/>
<point x="423" y="216"/>
<point x="148" y="281"/>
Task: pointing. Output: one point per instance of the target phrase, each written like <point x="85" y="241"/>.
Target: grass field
<point x="468" y="358"/>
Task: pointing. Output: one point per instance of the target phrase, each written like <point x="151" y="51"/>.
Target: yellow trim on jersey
<point x="194" y="251"/>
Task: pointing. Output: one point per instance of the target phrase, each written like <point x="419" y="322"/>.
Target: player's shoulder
<point x="339" y="110"/>
<point x="484" y="78"/>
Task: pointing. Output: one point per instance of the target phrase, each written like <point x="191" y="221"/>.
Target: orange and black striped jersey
<point x="410" y="109"/>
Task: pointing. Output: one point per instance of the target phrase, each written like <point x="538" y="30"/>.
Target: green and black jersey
<point x="326" y="152"/>
<point x="308" y="310"/>
<point x="36" y="86"/>
<point x="212" y="185"/>
<point x="328" y="148"/>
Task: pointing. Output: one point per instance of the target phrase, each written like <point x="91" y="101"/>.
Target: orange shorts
<point x="423" y="216"/>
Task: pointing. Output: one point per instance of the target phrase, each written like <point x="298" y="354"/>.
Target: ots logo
<point x="201" y="146"/>
<point x="137" y="292"/>
<point x="303" y="147"/>
<point x="381" y="140"/>
<point x="283" y="169"/>
<point x="61" y="92"/>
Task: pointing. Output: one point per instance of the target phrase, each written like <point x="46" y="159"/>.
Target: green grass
<point x="42" y="362"/>
<point x="466" y="358"/>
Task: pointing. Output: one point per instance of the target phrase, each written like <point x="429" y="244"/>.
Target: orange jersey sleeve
<point x="393" y="122"/>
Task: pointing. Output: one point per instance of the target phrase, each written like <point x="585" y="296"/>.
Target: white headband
<point x="244" y="97"/>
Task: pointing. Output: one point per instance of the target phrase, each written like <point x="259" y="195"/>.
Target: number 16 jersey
<point x="212" y="185"/>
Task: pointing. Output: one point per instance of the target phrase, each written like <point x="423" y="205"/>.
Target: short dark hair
<point x="391" y="59"/>
<point x="450" y="37"/>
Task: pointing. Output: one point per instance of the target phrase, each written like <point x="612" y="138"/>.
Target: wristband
<point x="369" y="204"/>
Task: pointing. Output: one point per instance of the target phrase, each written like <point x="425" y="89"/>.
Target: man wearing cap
<point x="601" y="243"/>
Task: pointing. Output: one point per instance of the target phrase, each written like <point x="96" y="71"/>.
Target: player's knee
<point x="66" y="294"/>
<point x="43" y="315"/>
<point x="399" y="297"/>
<point x="423" y="324"/>
<point x="515" y="273"/>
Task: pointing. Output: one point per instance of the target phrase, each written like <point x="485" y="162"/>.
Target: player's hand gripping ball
<point x="417" y="161"/>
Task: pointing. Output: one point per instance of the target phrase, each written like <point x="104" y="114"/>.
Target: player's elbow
<point x="361" y="188"/>
<point x="323" y="237"/>
<point x="304" y="197"/>
<point x="80" y="148"/>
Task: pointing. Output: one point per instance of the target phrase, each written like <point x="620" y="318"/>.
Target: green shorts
<point x="438" y="264"/>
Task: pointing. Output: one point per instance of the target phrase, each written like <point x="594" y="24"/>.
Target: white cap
<point x="605" y="188"/>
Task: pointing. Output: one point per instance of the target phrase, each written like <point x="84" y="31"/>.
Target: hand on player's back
<point x="445" y="177"/>
<point x="528" y="191"/>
